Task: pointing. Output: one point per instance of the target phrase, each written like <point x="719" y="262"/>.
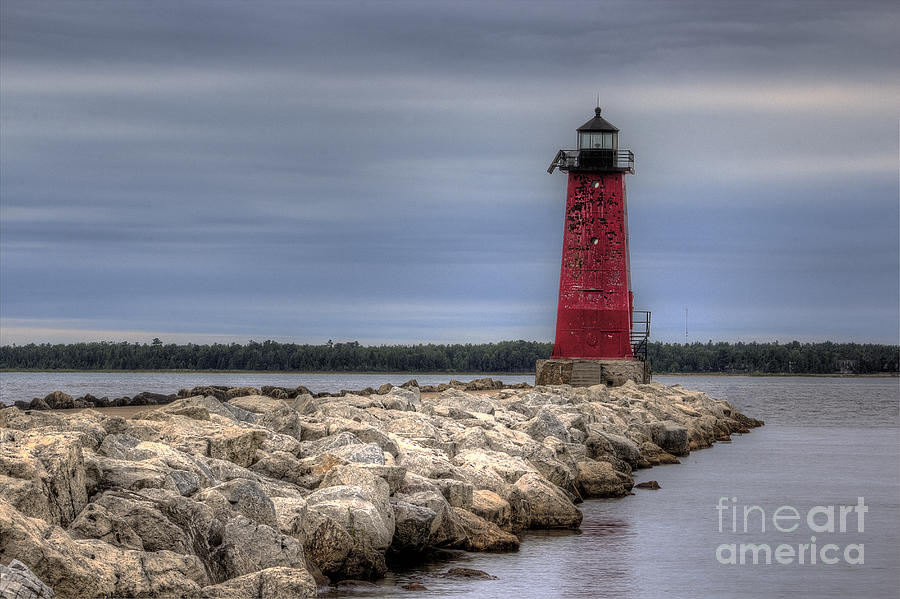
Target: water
<point x="27" y="385"/>
<point x="827" y="441"/>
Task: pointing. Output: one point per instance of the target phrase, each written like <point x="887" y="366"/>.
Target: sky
<point x="376" y="171"/>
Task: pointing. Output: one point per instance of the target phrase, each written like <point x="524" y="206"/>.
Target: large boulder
<point x="460" y="400"/>
<point x="126" y="447"/>
<point x="337" y="553"/>
<point x="248" y="547"/>
<point x="96" y="522"/>
<point x="291" y="513"/>
<point x="42" y="474"/>
<point x="507" y="467"/>
<point x="398" y="398"/>
<point x="458" y="493"/>
<point x="546" y="424"/>
<point x="215" y="440"/>
<point x="104" y="473"/>
<point x="428" y="463"/>
<point x="654" y="455"/>
<point x="306" y="473"/>
<point x="14" y="418"/>
<point x="59" y="401"/>
<point x="282" y="420"/>
<point x="240" y="496"/>
<point x="602" y="443"/>
<point x="492" y="508"/>
<point x="363" y="433"/>
<point x="671" y="437"/>
<point x="258" y="404"/>
<point x="91" y="568"/>
<point x="482" y="535"/>
<point x="359" y="511"/>
<point x="17" y="581"/>
<point x="271" y="583"/>
<point x="548" y="506"/>
<point x="415" y="524"/>
<point x="155" y="520"/>
<point x="599" y="479"/>
<point x="364" y="453"/>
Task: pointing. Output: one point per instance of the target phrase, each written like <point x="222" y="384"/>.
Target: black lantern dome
<point x="598" y="134"/>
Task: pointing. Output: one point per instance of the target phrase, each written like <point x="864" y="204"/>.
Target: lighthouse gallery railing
<point x="620" y="161"/>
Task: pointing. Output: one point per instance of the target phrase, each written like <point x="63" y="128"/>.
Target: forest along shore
<point x="229" y="492"/>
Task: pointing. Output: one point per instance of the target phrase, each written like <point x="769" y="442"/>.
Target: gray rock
<point x="548" y="506"/>
<point x="601" y="443"/>
<point x="199" y="438"/>
<point x="414" y="526"/>
<point x="59" y="401"/>
<point x="18" y="582"/>
<point x="282" y="420"/>
<point x="671" y="437"/>
<point x="95" y="522"/>
<point x="336" y="553"/>
<point x="258" y="404"/>
<point x="545" y="424"/>
<point x="367" y="519"/>
<point x="599" y="479"/>
<point x="248" y="547"/>
<point x="92" y="568"/>
<point x="291" y="513"/>
<point x="42" y="474"/>
<point x="457" y="493"/>
<point x="271" y="583"/>
<point x="492" y="508"/>
<point x="369" y="453"/>
<point x="482" y="535"/>
<point x="240" y="496"/>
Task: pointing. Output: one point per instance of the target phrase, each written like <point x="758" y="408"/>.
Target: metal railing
<point x="620" y="161"/>
<point x="640" y="333"/>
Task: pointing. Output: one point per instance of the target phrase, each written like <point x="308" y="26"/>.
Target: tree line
<point x="505" y="356"/>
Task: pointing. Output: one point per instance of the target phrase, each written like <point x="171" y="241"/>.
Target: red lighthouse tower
<point x="599" y="336"/>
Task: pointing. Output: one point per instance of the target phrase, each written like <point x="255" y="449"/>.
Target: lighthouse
<point x="600" y="338"/>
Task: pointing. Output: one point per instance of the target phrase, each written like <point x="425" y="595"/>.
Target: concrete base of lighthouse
<point x="586" y="373"/>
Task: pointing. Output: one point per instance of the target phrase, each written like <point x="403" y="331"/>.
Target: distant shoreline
<point x="430" y="373"/>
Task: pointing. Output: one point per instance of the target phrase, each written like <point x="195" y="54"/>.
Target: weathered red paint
<point x="593" y="319"/>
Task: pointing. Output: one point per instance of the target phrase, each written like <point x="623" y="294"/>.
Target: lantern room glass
<point x="598" y="140"/>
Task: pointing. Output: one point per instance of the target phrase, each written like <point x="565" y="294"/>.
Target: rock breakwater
<point x="58" y="400"/>
<point x="242" y="492"/>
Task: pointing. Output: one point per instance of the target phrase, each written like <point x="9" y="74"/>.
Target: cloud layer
<point x="375" y="171"/>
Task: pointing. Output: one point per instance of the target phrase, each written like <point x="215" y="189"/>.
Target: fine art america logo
<point x="827" y="521"/>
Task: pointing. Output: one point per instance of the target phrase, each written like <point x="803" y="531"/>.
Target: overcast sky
<point x="377" y="171"/>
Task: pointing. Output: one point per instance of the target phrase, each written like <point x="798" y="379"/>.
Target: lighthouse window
<point x="598" y="140"/>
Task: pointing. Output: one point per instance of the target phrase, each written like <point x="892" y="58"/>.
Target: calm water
<point x="827" y="441"/>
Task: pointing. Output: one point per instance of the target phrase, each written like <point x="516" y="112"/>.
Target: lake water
<point x="827" y="442"/>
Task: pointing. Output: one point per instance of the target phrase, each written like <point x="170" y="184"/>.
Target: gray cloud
<point x="237" y="168"/>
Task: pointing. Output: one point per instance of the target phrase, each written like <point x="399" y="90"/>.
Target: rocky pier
<point x="221" y="493"/>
